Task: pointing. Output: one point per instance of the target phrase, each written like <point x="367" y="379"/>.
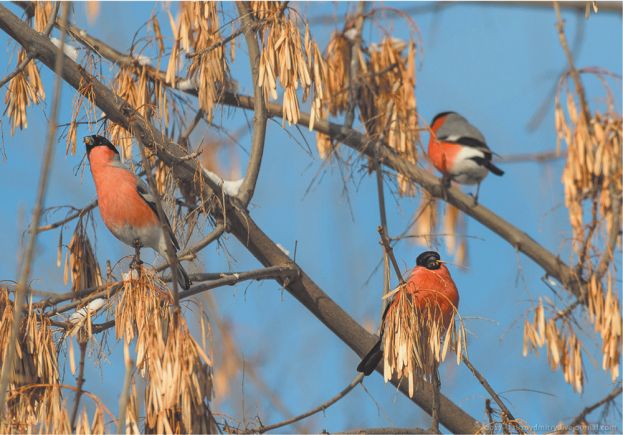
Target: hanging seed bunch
<point x="80" y="261"/>
<point x="605" y="313"/>
<point x="198" y="31"/>
<point x="34" y="399"/>
<point x="23" y="89"/>
<point x="387" y="101"/>
<point x="338" y="58"/>
<point x="26" y="87"/>
<point x="291" y="61"/>
<point x="42" y="14"/>
<point x="564" y="349"/>
<point x="417" y="337"/>
<point x="593" y="171"/>
<point x="593" y="187"/>
<point x="131" y="84"/>
<point x="177" y="370"/>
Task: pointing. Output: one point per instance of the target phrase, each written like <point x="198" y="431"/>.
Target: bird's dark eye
<point x="429" y="260"/>
<point x="432" y="264"/>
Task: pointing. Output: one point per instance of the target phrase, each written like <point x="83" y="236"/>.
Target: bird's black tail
<point x="494" y="169"/>
<point x="371" y="360"/>
<point x="182" y="277"/>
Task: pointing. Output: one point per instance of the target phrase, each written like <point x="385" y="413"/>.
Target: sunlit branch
<point x="259" y="116"/>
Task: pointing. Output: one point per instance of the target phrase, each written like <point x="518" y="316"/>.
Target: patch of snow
<point x="70" y="50"/>
<point x="132" y="274"/>
<point x="186" y="85"/>
<point x="143" y="60"/>
<point x="230" y="187"/>
<point x="351" y="34"/>
<point x="92" y="307"/>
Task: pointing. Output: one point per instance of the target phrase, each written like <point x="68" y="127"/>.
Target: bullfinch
<point x="125" y="203"/>
<point x="429" y="285"/>
<point x="458" y="150"/>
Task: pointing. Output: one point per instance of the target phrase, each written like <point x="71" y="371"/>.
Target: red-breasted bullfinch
<point x="126" y="206"/>
<point x="429" y="285"/>
<point x="458" y="150"/>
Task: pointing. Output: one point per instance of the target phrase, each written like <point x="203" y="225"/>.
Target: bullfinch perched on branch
<point x="429" y="289"/>
<point x="126" y="205"/>
<point x="458" y="150"/>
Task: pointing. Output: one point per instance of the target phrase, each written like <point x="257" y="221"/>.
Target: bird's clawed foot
<point x="476" y="195"/>
<point x="136" y="261"/>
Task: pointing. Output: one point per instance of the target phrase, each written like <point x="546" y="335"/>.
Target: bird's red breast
<point x="119" y="202"/>
<point x="434" y="289"/>
<point x="441" y="154"/>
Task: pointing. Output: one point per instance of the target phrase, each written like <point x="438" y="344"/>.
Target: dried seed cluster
<point x="34" y="398"/>
<point x="593" y="184"/>
<point x="80" y="262"/>
<point x="290" y="60"/>
<point x="178" y="371"/>
<point x="564" y="349"/>
<point x="416" y="337"/>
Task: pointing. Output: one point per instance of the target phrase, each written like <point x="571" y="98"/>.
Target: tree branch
<point x="316" y="410"/>
<point x="260" y="116"/>
<point x="492" y="393"/>
<point x="581" y="417"/>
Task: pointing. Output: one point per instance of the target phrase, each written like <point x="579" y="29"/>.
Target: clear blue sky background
<point x="493" y="63"/>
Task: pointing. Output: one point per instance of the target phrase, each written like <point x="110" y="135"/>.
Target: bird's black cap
<point x="98" y="141"/>
<point x="429" y="259"/>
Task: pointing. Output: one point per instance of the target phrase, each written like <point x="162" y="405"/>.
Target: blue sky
<point x="495" y="65"/>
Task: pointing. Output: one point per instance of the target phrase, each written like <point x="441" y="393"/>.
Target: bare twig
<point x="69" y="218"/>
<point x="581" y="417"/>
<point x="321" y="407"/>
<point x="21" y="292"/>
<point x="284" y="274"/>
<point x="383" y="219"/>
<point x="434" y="425"/>
<point x="492" y="393"/>
<point x="390" y="252"/>
<point x="79" y="380"/>
<point x="260" y="115"/>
